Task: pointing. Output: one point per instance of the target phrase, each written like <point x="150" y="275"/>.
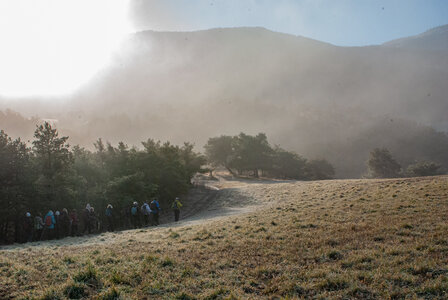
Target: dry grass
<point x="352" y="239"/>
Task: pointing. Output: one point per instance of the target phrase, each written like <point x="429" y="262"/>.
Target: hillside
<point x="435" y="39"/>
<point x="357" y="239"/>
<point x="311" y="97"/>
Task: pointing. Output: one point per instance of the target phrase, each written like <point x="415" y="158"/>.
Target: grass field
<point x="339" y="239"/>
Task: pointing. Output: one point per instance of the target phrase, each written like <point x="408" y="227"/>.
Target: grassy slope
<point x="330" y="239"/>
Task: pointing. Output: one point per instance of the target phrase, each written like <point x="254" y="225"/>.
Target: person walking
<point x="135" y="216"/>
<point x="155" y="210"/>
<point x="110" y="217"/>
<point x="176" y="208"/>
<point x="28" y="228"/>
<point x="57" y="226"/>
<point x="74" y="221"/>
<point x="50" y="221"/>
<point x="145" y="212"/>
<point x="64" y="223"/>
<point x="93" y="220"/>
<point x="38" y="226"/>
<point x="86" y="220"/>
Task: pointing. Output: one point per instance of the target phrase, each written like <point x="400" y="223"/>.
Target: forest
<point x="49" y="174"/>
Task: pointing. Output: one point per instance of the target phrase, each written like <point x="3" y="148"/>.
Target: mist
<point x="317" y="99"/>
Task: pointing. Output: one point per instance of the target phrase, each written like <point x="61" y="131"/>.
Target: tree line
<point x="381" y="164"/>
<point x="49" y="174"/>
<point x="244" y="154"/>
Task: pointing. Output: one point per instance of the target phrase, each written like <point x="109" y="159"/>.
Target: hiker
<point x="49" y="221"/>
<point x="155" y="209"/>
<point x="64" y="223"/>
<point x="125" y="217"/>
<point x="145" y="212"/>
<point x="28" y="228"/>
<point x="135" y="218"/>
<point x="93" y="219"/>
<point x="86" y="220"/>
<point x="38" y="226"/>
<point x="176" y="208"/>
<point x="74" y="221"/>
<point x="110" y="217"/>
<point x="57" y="226"/>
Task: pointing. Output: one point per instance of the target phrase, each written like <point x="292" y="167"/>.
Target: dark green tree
<point x="191" y="161"/>
<point x="54" y="162"/>
<point x="319" y="169"/>
<point x="288" y="165"/>
<point x="381" y="164"/>
<point x="15" y="183"/>
<point x="252" y="153"/>
<point x="219" y="151"/>
<point x="423" y="168"/>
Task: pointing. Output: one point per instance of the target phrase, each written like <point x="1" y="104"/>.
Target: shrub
<point x="88" y="276"/>
<point x="119" y="278"/>
<point x="167" y="262"/>
<point x="75" y="291"/>
<point x="334" y="255"/>
<point x="423" y="168"/>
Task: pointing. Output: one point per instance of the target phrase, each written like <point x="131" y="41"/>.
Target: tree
<point x="381" y="164"/>
<point x="90" y="176"/>
<point x="54" y="161"/>
<point x="423" y="168"/>
<point x="252" y="153"/>
<point x="219" y="151"/>
<point x="53" y="176"/>
<point x="15" y="182"/>
<point x="287" y="164"/>
<point x="192" y="161"/>
<point x="319" y="169"/>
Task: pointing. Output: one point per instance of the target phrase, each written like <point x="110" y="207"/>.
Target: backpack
<point x="145" y="209"/>
<point x="153" y="206"/>
<point x="48" y="221"/>
<point x="108" y="212"/>
<point x="134" y="210"/>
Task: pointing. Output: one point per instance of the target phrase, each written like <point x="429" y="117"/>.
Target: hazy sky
<point x="340" y="22"/>
<point x="52" y="47"/>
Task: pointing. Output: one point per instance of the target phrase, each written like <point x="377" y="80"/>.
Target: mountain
<point x="312" y="97"/>
<point x="435" y="39"/>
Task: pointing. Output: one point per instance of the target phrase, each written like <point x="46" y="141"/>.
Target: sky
<point x="52" y="47"/>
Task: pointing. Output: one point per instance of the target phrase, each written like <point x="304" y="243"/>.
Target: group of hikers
<point x="60" y="224"/>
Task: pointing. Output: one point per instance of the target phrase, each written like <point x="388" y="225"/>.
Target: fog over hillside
<point x="435" y="39"/>
<point x="314" y="98"/>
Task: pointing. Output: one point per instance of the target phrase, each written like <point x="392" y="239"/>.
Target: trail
<point x="209" y="201"/>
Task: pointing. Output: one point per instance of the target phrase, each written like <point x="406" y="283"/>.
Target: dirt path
<point x="209" y="201"/>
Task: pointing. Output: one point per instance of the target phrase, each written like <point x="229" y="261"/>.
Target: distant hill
<point x="433" y="39"/>
<point x="312" y="97"/>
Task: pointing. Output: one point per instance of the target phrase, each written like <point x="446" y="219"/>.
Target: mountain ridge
<point x="309" y="96"/>
<point x="435" y="39"/>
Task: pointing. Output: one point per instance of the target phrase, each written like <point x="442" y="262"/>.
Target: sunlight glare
<point x="51" y="47"/>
